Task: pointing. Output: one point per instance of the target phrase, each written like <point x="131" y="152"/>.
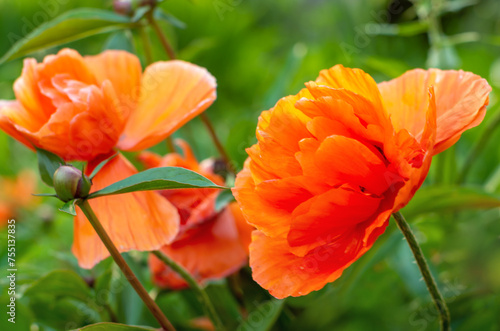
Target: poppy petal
<point x="172" y="93"/>
<point x="461" y="100"/>
<point x="428" y="141"/>
<point x="15" y="121"/>
<point x="258" y="211"/>
<point x="28" y="94"/>
<point x="142" y="221"/>
<point x="123" y="70"/>
<point x="329" y="215"/>
<point x="354" y="80"/>
<point x="284" y="274"/>
<point x="216" y="249"/>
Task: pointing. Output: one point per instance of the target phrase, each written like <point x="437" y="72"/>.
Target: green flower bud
<point x="70" y="183"/>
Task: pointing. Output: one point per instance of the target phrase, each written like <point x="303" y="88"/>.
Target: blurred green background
<point x="260" y="51"/>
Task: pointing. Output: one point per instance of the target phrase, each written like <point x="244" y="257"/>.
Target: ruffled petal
<point x="258" y="211"/>
<point x="284" y="274"/>
<point x="461" y="100"/>
<point x="354" y="80"/>
<point x="325" y="217"/>
<point x="428" y="141"/>
<point x="142" y="221"/>
<point x="172" y="93"/>
<point x="124" y="71"/>
<point x="28" y="94"/>
<point x="339" y="160"/>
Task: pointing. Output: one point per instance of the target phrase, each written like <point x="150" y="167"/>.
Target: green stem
<point x="146" y="43"/>
<point x="193" y="284"/>
<point x="208" y="124"/>
<point x="437" y="297"/>
<point x="481" y="143"/>
<point x="111" y="313"/>
<point x="170" y="144"/>
<point x="169" y="50"/>
<point x="163" y="39"/>
<point x="120" y="261"/>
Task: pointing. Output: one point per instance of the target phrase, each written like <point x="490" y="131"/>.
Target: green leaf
<point x="60" y="283"/>
<point x="157" y="179"/>
<point x="223" y="199"/>
<point x="44" y="195"/>
<point x="47" y="165"/>
<point x="101" y="165"/>
<point x="69" y="207"/>
<point x="407" y="29"/>
<point x="72" y="25"/>
<point x="160" y="14"/>
<point x="122" y="40"/>
<point x="449" y="199"/>
<point x="140" y="13"/>
<point x="114" y="327"/>
<point x="62" y="313"/>
<point x="263" y="317"/>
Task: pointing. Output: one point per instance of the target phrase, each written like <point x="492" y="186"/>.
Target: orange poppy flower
<point x="334" y="161"/>
<point x="210" y="244"/>
<point x="86" y="108"/>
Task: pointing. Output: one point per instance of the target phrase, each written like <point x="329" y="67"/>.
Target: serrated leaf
<point x="449" y="199"/>
<point x="160" y="14"/>
<point x="47" y="165"/>
<point x="101" y="165"/>
<point x="69" y="207"/>
<point x="164" y="178"/>
<point x="70" y="26"/>
<point x="265" y="315"/>
<point x="114" y="327"/>
<point x="60" y="283"/>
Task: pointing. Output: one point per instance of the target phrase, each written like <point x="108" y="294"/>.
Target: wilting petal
<point x="461" y="99"/>
<point x="172" y="93"/>
<point x="124" y="71"/>
<point x="142" y="221"/>
<point x="214" y="250"/>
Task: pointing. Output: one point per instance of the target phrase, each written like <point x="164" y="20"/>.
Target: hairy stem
<point x="437" y="297"/>
<point x="120" y="261"/>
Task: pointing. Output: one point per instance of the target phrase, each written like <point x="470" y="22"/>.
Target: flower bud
<point x="70" y="183"/>
<point x="124" y="7"/>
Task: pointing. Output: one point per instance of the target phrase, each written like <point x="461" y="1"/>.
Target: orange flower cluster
<point x="86" y="108"/>
<point x="334" y="161"/>
<point x="210" y="244"/>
